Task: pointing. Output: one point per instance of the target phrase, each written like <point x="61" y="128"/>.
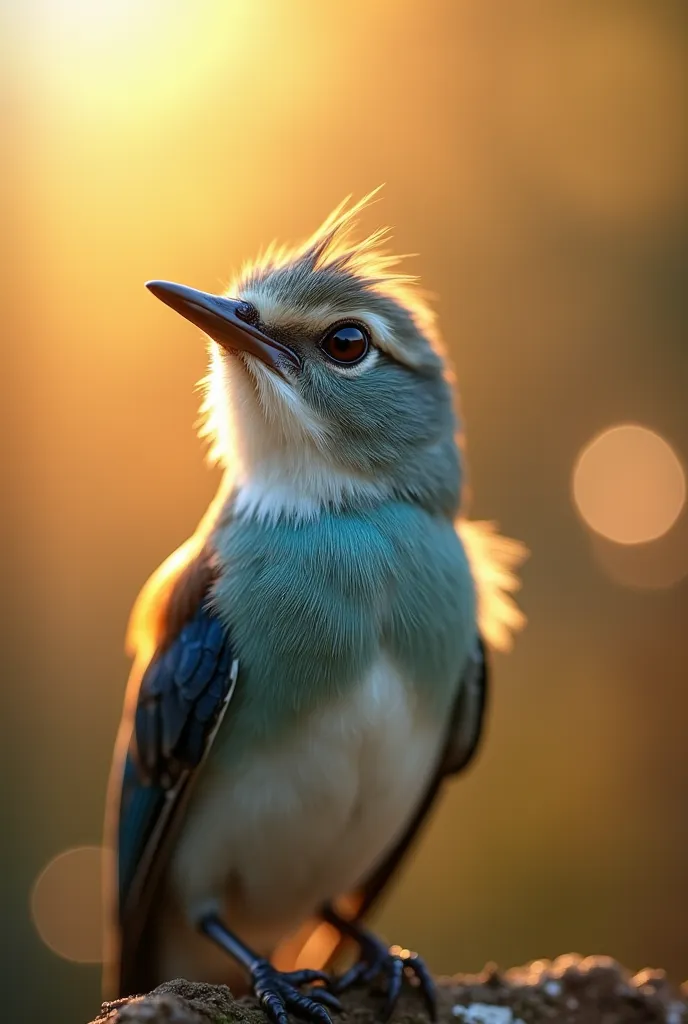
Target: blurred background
<point x="535" y="155"/>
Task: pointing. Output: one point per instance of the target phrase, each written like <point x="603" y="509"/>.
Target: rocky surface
<point x="569" y="990"/>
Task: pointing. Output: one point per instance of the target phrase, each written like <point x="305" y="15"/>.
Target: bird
<point x="311" y="666"/>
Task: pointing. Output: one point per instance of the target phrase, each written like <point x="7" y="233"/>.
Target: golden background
<point x="535" y="156"/>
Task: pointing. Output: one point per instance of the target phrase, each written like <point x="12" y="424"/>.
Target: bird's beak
<point x="221" y="319"/>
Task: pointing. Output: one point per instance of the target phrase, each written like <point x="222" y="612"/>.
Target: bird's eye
<point x="248" y="312"/>
<point x="345" y="344"/>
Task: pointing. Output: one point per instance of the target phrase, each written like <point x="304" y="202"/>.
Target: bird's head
<point x="327" y="385"/>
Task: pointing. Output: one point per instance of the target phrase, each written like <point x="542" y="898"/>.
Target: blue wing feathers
<point x="137" y="822"/>
<point x="187" y="682"/>
<point x="181" y="695"/>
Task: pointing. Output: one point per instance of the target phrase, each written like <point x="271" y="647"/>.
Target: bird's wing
<point x="183" y="694"/>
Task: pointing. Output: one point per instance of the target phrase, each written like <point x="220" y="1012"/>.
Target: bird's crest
<point x="334" y="246"/>
<point x="335" y="250"/>
<point x="333" y="273"/>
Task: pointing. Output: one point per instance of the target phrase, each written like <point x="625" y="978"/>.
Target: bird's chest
<point x="351" y="634"/>
<point x="310" y="606"/>
<point x="305" y="820"/>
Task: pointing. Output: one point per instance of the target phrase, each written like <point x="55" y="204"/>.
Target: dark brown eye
<point x="248" y="312"/>
<point x="346" y="344"/>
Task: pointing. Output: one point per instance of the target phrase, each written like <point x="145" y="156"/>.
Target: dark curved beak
<point x="224" y="320"/>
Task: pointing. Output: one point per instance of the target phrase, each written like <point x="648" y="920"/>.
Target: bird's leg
<point x="378" y="960"/>
<point x="278" y="991"/>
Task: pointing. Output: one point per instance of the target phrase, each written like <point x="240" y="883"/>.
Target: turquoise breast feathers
<point x="310" y="605"/>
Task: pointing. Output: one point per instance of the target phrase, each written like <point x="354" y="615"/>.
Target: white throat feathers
<point x="273" y="446"/>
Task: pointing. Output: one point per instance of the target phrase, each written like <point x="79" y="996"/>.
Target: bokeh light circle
<point x="66" y="904"/>
<point x="629" y="485"/>
<point x="655" y="566"/>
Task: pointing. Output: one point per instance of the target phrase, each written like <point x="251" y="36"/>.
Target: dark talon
<point x="322" y="995"/>
<point x="278" y="992"/>
<point x="273" y="1006"/>
<point x="304" y="977"/>
<point x="395" y="976"/>
<point x="349" y="978"/>
<point x="377" y="961"/>
<point x="426" y="983"/>
<point x="296" y="1001"/>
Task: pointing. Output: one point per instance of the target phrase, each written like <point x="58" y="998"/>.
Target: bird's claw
<point x="391" y="964"/>
<point x="278" y="992"/>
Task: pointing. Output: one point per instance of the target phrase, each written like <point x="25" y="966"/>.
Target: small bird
<point x="311" y="665"/>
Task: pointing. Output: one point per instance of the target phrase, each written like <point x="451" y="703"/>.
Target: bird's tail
<point x="494" y="561"/>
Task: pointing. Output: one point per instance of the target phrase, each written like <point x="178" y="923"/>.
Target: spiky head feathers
<point x="381" y="422"/>
<point x="332" y="274"/>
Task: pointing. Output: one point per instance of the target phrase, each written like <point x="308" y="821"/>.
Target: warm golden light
<point x="135" y="57"/>
<point x="66" y="904"/>
<point x="575" y="142"/>
<point x="656" y="566"/>
<point x="629" y="485"/>
<point x="86" y="17"/>
<point x="534" y="156"/>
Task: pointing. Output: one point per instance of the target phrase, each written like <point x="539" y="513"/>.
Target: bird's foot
<point x="377" y="961"/>
<point x="278" y="992"/>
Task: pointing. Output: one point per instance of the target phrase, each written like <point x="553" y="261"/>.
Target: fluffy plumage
<point x="353" y="592"/>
